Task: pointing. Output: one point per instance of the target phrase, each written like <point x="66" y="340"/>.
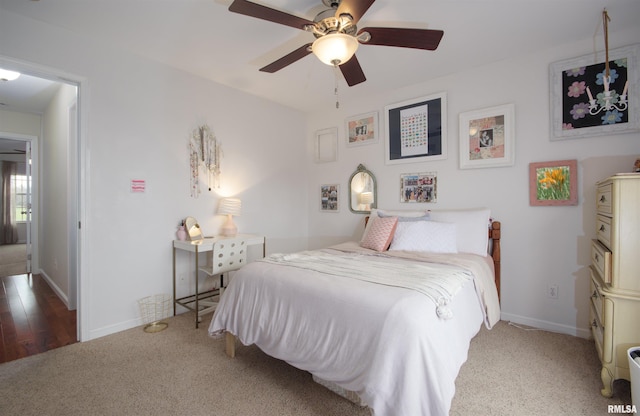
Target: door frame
<point x="80" y="257"/>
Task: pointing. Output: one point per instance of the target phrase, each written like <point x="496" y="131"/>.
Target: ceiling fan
<point x="337" y="36"/>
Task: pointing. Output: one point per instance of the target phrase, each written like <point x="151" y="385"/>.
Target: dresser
<point x="615" y="275"/>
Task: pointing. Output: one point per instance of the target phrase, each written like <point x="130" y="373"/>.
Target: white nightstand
<point x="227" y="254"/>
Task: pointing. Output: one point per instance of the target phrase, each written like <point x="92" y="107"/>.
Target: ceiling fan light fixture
<point x="6" y="75"/>
<point x="335" y="48"/>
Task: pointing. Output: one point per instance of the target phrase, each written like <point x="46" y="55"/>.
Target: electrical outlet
<point x="552" y="291"/>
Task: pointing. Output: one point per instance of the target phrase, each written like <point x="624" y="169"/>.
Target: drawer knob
<point x="595" y="294"/>
<point x="594" y="324"/>
<point x="603" y="198"/>
<point x="596" y="257"/>
<point x="602" y="228"/>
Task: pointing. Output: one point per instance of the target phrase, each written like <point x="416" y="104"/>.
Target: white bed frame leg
<point x="230" y="344"/>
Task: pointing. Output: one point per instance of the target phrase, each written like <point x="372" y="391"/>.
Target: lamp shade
<point x="335" y="48"/>
<point x="230" y="206"/>
<point x="366" y="198"/>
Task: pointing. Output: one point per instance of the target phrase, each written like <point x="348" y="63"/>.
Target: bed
<point x="387" y="319"/>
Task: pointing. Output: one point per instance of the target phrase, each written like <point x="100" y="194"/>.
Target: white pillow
<point x="392" y="213"/>
<point x="472" y="228"/>
<point x="425" y="236"/>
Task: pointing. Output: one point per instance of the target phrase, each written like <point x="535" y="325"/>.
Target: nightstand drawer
<point x="601" y="260"/>
<point x="603" y="201"/>
<point x="603" y="228"/>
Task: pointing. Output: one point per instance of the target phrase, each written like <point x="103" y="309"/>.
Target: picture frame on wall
<point x="578" y="98"/>
<point x="487" y="137"/>
<point x="418" y="187"/>
<point x="416" y="130"/>
<point x="329" y="195"/>
<point x="326" y="145"/>
<point x="553" y="183"/>
<point x="362" y="129"/>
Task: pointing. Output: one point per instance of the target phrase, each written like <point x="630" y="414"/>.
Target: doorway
<point x="56" y="247"/>
<point x="15" y="206"/>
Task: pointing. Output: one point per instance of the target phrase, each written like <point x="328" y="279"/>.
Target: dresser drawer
<point x="603" y="228"/>
<point x="601" y="260"/>
<point x="597" y="300"/>
<point x="603" y="201"/>
<point x="597" y="331"/>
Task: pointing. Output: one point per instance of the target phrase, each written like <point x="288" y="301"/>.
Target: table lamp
<point x="229" y="207"/>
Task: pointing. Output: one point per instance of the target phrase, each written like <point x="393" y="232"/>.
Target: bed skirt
<point x="347" y="394"/>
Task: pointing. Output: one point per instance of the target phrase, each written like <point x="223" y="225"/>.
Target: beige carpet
<point x="181" y="371"/>
<point x="13" y="259"/>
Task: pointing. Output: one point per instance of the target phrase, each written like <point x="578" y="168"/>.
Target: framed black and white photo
<point x="416" y="130"/>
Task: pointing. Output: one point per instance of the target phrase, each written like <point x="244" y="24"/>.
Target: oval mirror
<point x="362" y="191"/>
<point x="193" y="229"/>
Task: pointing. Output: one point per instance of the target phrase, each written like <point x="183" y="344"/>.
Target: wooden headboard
<point x="494" y="236"/>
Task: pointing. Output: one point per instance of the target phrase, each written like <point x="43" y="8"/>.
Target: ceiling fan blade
<point x="262" y="12"/>
<point x="352" y="72"/>
<point x="288" y="59"/>
<point x="356" y="8"/>
<point x="404" y="38"/>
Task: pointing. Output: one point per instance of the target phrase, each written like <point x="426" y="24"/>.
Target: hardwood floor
<point x="33" y="319"/>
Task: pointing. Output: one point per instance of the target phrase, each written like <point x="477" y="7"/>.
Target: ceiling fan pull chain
<point x="335" y="71"/>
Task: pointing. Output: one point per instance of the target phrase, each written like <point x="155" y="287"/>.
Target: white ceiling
<point x="204" y="38"/>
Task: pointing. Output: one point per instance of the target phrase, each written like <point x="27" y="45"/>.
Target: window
<point x="19" y="186"/>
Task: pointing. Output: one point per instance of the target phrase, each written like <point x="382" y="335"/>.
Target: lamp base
<point x="229" y="229"/>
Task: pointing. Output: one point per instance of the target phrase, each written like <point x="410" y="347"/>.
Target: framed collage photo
<point x="329" y="198"/>
<point x="418" y="187"/>
<point x="416" y="130"/>
<point x="487" y="137"/>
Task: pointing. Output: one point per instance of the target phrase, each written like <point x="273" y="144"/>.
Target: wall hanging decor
<point x="418" y="187"/>
<point x="416" y="130"/>
<point x="205" y="154"/>
<point x="486" y="137"/>
<point x="596" y="94"/>
<point x="329" y="195"/>
<point x="326" y="144"/>
<point x="553" y="183"/>
<point x="362" y="129"/>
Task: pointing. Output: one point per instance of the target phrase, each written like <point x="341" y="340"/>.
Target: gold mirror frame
<point x="362" y="191"/>
<point x="193" y="229"/>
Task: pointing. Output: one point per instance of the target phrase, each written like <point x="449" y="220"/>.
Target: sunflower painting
<point x="553" y="183"/>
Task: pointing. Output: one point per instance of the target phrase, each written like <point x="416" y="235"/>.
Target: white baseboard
<point x="547" y="326"/>
<point x="54" y="287"/>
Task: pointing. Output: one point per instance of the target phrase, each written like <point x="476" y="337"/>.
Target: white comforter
<point x="386" y="343"/>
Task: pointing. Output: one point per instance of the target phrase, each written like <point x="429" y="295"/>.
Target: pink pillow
<point x="380" y="234"/>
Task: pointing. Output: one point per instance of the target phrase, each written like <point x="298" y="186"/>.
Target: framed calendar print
<point x="416" y="130"/>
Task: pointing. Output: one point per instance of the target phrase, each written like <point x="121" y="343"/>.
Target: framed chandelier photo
<point x="593" y="96"/>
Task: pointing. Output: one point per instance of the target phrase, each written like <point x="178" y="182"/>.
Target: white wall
<point x="136" y="118"/>
<point x="54" y="164"/>
<point x="541" y="245"/>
